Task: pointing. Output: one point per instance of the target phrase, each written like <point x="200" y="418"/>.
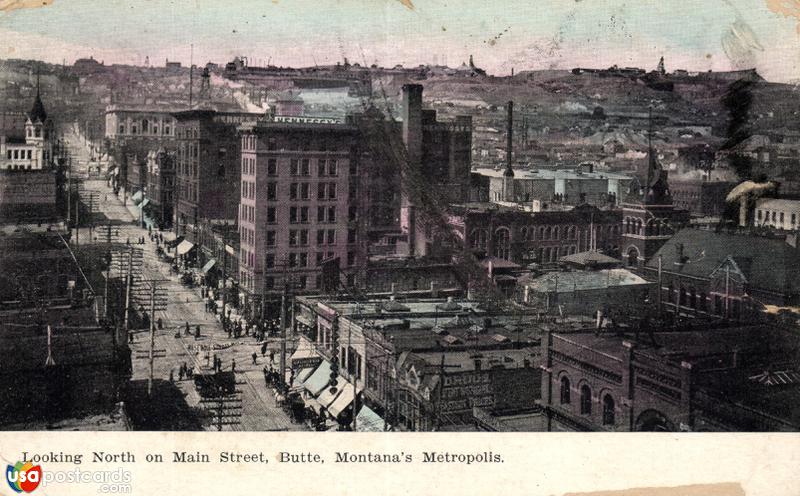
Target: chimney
<point x="478" y="364"/>
<point x="470" y="293"/>
<point x="508" y="174"/>
<point x="394" y="290"/>
<point x="412" y="121"/>
<point x="434" y="292"/>
<point x="743" y="210"/>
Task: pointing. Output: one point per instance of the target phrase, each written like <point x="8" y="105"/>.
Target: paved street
<point x="258" y="408"/>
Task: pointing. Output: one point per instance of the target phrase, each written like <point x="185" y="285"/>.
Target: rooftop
<point x="553" y="174"/>
<point x="584" y="280"/>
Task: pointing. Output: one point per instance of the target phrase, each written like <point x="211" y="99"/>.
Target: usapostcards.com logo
<point x="23" y="477"/>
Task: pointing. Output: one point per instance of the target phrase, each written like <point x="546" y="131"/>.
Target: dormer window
<point x="38" y="132"/>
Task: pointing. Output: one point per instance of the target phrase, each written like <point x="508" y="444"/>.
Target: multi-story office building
<point x="132" y="133"/>
<point x="299" y="192"/>
<point x="208" y="168"/>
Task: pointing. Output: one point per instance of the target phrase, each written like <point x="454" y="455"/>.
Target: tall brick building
<point x="299" y="204"/>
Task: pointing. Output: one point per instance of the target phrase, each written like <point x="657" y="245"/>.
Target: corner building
<point x="299" y="206"/>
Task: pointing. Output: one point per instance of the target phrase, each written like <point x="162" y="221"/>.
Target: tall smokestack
<point x="509" y="137"/>
<point x="412" y="121"/>
<point x="508" y="174"/>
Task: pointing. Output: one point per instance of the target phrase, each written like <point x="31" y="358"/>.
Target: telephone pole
<point x="128" y="283"/>
<point x="152" y="337"/>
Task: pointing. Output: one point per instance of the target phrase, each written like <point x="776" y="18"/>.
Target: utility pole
<point x="152" y="336"/>
<point x="77" y="221"/>
<point x="727" y="290"/>
<point x="108" y="276"/>
<point x="283" y="329"/>
<point x="128" y="287"/>
<point x="658" y="292"/>
<point x="224" y="276"/>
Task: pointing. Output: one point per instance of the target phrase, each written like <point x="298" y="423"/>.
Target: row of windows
<point x="20" y="154"/>
<point x="585" y="407"/>
<point x="297" y="215"/>
<point x="777" y="217"/>
<point x="146" y="128"/>
<point x="298" y="282"/>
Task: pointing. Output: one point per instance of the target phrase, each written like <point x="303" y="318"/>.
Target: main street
<point x="184" y="305"/>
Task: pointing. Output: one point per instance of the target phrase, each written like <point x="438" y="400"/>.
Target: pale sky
<point x="501" y="34"/>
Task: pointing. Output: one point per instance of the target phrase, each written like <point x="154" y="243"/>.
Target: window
<point x="293" y="260"/>
<point x="269" y="282"/>
<point x="353" y="169"/>
<point x="271" y="215"/>
<point x="331" y="191"/>
<point x="272" y="167"/>
<point x="331" y="214"/>
<point x="294" y="167"/>
<point x="608" y="410"/>
<point x="331" y="237"/>
<point x="321" y="167"/>
<point x="305" y="168"/>
<point x="351" y="236"/>
<point x="565" y="391"/>
<point x="304" y="191"/>
<point x="321" y="191"/>
<point x="302" y="281"/>
<point x="351" y="258"/>
<point x="270" y="261"/>
<point x="320" y="256"/>
<point x="292" y="238"/>
<point x="352" y="213"/>
<point x="320" y="237"/>
<point x="332" y="167"/>
<point x="270" y="238"/>
<point x="293" y="215"/>
<point x="272" y="191"/>
<point x="121" y="129"/>
<point x="586" y="400"/>
<point x="304" y="214"/>
<point x="293" y="188"/>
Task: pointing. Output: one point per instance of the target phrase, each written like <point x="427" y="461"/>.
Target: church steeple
<point x="37" y="113"/>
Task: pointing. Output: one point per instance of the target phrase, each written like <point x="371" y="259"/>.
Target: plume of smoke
<point x="749" y="187"/>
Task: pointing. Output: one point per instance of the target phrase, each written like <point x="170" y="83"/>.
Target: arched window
<point x="608" y="410"/>
<point x="541" y="233"/>
<point x="547" y="232"/>
<point x="703" y="302"/>
<point x="565" y="398"/>
<point x="633" y="257"/>
<point x="502" y="243"/>
<point x="524" y="232"/>
<point x="555" y="233"/>
<point x="477" y="239"/>
<point x="586" y="400"/>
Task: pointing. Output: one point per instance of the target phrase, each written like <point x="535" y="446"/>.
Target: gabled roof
<point x="767" y="263"/>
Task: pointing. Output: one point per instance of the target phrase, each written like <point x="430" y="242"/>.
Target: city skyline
<point x="715" y="36"/>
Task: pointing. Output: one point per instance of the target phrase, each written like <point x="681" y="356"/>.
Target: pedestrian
<point x="187" y="328"/>
<point x="197" y="332"/>
<point x="272" y="356"/>
<point x="229" y="332"/>
<point x="171" y="376"/>
<point x="180" y="374"/>
<point x="130" y="337"/>
<point x="160" y="324"/>
<point x="233" y="365"/>
<point x="264" y="349"/>
<point x="254" y="355"/>
<point x="266" y="376"/>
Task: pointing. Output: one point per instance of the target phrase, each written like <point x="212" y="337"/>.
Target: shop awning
<point x="342" y="401"/>
<point x="208" y="266"/>
<point x="319" y="379"/>
<point x="305" y="356"/>
<point x="326" y="397"/>
<point x="368" y="421"/>
<point x="304" y="320"/>
<point x="175" y="242"/>
<point x="137" y="197"/>
<point x="145" y="202"/>
<point x="184" y="247"/>
<point x="301" y="377"/>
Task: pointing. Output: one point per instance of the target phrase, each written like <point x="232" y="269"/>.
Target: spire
<point x="37" y="112"/>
